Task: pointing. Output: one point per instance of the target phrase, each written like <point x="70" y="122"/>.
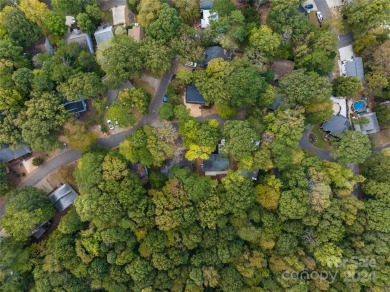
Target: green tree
<point x="353" y="147"/>
<point x="240" y="138"/>
<point x="35" y="11"/>
<point x="264" y="40"/>
<point x="188" y="10"/>
<point x="166" y="112"/>
<point x="23" y="79"/>
<point x="26" y="207"/>
<point x="89" y="170"/>
<point x="166" y="24"/>
<point x="362" y="15"/>
<point x="19" y="29"/>
<point x="65" y="7"/>
<point x="148" y="10"/>
<point x="135" y="97"/>
<point x="84" y="85"/>
<point x="156" y="56"/>
<point x="5" y="184"/>
<point x="10" y="98"/>
<point x="41" y="120"/>
<point x="85" y="23"/>
<point x="347" y="86"/>
<point x="223" y="7"/>
<point x="55" y="23"/>
<point x="120" y="60"/>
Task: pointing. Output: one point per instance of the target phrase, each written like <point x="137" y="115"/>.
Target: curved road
<point x="112" y="141"/>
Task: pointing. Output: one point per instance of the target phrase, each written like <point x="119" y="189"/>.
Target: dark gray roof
<point x="370" y="128"/>
<point x="81" y="38"/>
<point x="63" y="197"/>
<point x="77" y="106"/>
<point x="193" y="95"/>
<point x="165" y="169"/>
<point x="103" y="34"/>
<point x="206" y="4"/>
<point x="337" y="124"/>
<point x="213" y="53"/>
<point x="8" y="154"/>
<point x="49" y="47"/>
<point x="251" y="174"/>
<point x="216" y="163"/>
<point x="354" y="67"/>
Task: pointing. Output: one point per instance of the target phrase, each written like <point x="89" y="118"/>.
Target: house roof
<point x="251" y="174"/>
<point x="282" y="67"/>
<point x="207" y="16"/>
<point x="103" y="34"/>
<point x="77" y="106"/>
<point x="213" y="53"/>
<point x="193" y="95"/>
<point x="81" y="38"/>
<point x="216" y="163"/>
<point x="69" y="20"/>
<point x="336" y="124"/>
<point x="136" y="32"/>
<point x="8" y="154"/>
<point x="370" y="128"/>
<point x="63" y="197"/>
<point x="206" y="4"/>
<point x="119" y="15"/>
<point x="49" y="48"/>
<point x="354" y="67"/>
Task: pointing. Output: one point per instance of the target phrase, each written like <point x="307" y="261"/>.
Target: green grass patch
<point x="320" y="141"/>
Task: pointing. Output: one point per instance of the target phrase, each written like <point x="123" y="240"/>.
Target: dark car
<point x="309" y="6"/>
<point x="165" y="99"/>
<point x="173" y="77"/>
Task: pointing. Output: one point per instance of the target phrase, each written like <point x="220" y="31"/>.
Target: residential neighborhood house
<point x="371" y="127"/>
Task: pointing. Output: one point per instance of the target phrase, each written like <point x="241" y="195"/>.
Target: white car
<point x="319" y="16"/>
<point x="191" y="64"/>
<point x="110" y="125"/>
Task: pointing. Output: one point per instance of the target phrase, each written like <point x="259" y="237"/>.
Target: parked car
<point x="110" y="125"/>
<point x="309" y="6"/>
<point x="319" y="16"/>
<point x="165" y="99"/>
<point x="191" y="64"/>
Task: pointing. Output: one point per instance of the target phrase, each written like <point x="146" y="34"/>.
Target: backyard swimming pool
<point x="359" y="106"/>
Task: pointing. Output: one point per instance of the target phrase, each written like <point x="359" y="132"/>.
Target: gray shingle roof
<point x="216" y="163"/>
<point x="77" y="106"/>
<point x="193" y="95"/>
<point x="213" y="53"/>
<point x="8" y="154"/>
<point x="103" y="35"/>
<point x="63" y="197"/>
<point x="370" y="128"/>
<point x="206" y="4"/>
<point x="337" y="124"/>
<point x="354" y="67"/>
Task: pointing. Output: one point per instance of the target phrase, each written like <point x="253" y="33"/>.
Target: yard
<point x="317" y="138"/>
<point x="107" y="16"/>
<point x="144" y="85"/>
<point x="381" y="138"/>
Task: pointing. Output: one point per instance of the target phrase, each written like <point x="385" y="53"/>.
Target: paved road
<point x="111" y="141"/>
<point x="306" y="145"/>
<point x="323" y="7"/>
<point x="345" y="40"/>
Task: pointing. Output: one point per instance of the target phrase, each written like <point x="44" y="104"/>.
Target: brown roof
<point x="282" y="67"/>
<point x="136" y="33"/>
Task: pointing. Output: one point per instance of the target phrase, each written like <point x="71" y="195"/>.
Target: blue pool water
<point x="359" y="106"/>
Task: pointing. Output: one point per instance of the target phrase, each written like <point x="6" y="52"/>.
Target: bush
<point x="37" y="161"/>
<point x="157" y="180"/>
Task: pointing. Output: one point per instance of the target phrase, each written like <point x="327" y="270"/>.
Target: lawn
<point x="381" y="138"/>
<point x="144" y="85"/>
<point x="320" y="141"/>
<point x="313" y="18"/>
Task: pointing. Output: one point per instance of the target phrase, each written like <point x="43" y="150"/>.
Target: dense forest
<point x="305" y="224"/>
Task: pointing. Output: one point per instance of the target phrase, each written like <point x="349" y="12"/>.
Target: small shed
<point x="193" y="95"/>
<point x="336" y="125"/>
<point x="215" y="165"/>
<point x="354" y="67"/>
<point x="206" y="4"/>
<point x="7" y="154"/>
<point x="371" y="127"/>
<point x="63" y="197"/>
<point x="40" y="229"/>
<point x="103" y="34"/>
<point x="119" y="15"/>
